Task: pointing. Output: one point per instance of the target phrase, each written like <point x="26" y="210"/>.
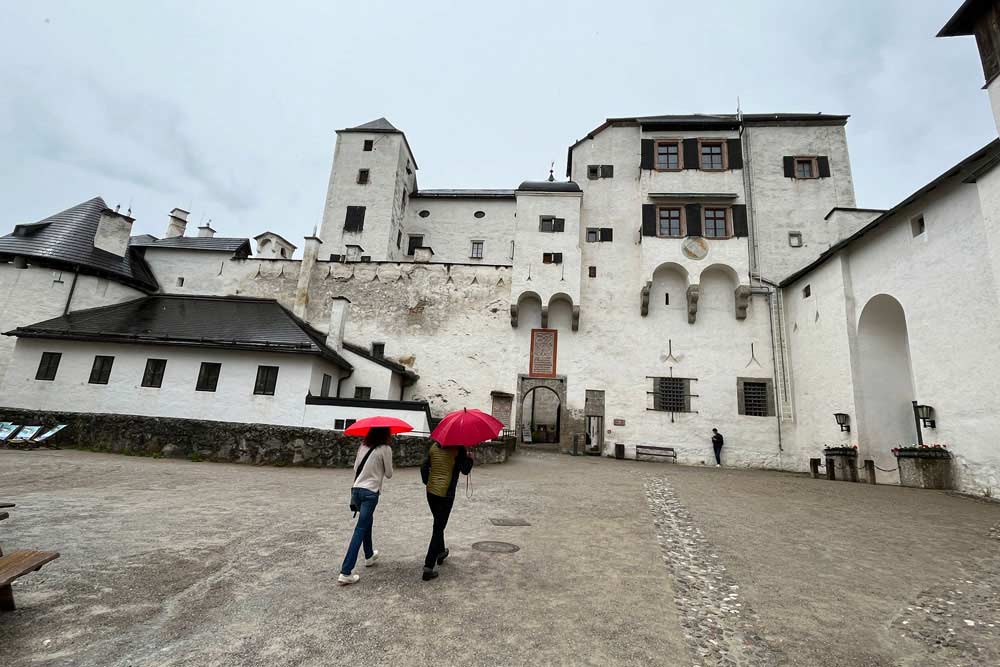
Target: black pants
<point x="718" y="453"/>
<point x="441" y="510"/>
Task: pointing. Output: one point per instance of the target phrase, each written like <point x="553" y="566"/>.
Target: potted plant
<point x="841" y="461"/>
<point x="924" y="466"/>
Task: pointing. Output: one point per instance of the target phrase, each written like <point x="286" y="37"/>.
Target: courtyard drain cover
<point x="496" y="547"/>
<point x="509" y="522"/>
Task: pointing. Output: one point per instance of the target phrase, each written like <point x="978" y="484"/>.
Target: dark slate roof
<point x="463" y="194"/>
<point x="66" y="240"/>
<point x="381" y="126"/>
<point x="236" y="246"/>
<point x="964" y="20"/>
<point x="235" y="323"/>
<point x="549" y="186"/>
<point x="394" y="366"/>
<point x="969" y="169"/>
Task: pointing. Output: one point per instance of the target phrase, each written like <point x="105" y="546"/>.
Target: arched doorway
<point x="885" y="392"/>
<point x="541" y="412"/>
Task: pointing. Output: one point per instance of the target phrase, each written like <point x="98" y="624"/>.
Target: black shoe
<point x="429" y="574"/>
<point x="442" y="556"/>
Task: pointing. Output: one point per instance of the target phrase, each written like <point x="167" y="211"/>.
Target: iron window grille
<point x="755" y="399"/>
<point x="267" y="379"/>
<point x="671" y="394"/>
<point x="153" y="375"/>
<point x="208" y="376"/>
<point x="48" y="365"/>
<point x="100" y="373"/>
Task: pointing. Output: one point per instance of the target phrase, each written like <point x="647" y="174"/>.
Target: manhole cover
<point x="496" y="547"/>
<point x="509" y="522"/>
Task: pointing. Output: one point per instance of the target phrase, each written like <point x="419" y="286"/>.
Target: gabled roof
<point x="235" y="323"/>
<point x="381" y="126"/>
<point x="66" y="240"/>
<point x="235" y="246"/>
<point x="964" y="20"/>
<point x="277" y="236"/>
<point x="394" y="366"/>
<point x="969" y="169"/>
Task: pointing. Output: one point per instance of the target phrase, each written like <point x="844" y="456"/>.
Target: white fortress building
<point x="690" y="272"/>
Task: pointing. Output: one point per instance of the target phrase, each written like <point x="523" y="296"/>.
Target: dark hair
<point x="715" y="430"/>
<point x="377" y="437"/>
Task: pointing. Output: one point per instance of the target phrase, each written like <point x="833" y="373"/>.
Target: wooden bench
<point x="18" y="564"/>
<point x="650" y="450"/>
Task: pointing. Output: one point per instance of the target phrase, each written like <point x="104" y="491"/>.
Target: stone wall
<point x="260" y="444"/>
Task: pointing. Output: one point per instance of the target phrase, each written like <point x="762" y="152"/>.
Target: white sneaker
<point x="371" y="561"/>
<point x="348" y="579"/>
<point x="718" y="465"/>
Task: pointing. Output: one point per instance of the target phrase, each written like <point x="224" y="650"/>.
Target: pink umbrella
<point x="362" y="426"/>
<point x="466" y="428"/>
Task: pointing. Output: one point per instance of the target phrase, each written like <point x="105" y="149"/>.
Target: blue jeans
<point x="365" y="501"/>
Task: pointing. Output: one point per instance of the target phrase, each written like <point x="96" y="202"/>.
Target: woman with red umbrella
<point x="446" y="459"/>
<point x="372" y="465"/>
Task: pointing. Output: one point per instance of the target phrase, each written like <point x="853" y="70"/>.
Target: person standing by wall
<point x="717" y="441"/>
<point x="372" y="465"/>
<point x="440" y="474"/>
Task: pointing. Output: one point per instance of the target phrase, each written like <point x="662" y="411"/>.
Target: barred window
<point x="755" y="397"/>
<point x="671" y="394"/>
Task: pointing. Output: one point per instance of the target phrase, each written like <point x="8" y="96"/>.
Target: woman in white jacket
<point x="372" y="465"/>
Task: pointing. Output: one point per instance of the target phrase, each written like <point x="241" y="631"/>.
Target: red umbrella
<point x="362" y="426"/>
<point x="466" y="428"/>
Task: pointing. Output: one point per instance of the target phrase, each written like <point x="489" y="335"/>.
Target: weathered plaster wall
<point x="529" y="274"/>
<point x="451" y="225"/>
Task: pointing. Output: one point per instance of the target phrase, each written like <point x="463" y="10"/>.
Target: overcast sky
<point x="229" y="109"/>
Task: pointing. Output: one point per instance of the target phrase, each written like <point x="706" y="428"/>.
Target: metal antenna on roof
<point x="117" y="206"/>
<point x="130" y="207"/>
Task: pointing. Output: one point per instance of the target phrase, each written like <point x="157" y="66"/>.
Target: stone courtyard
<point x="169" y="562"/>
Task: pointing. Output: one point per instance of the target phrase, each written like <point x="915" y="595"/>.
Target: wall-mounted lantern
<point x="926" y="415"/>
<point x="843" y="421"/>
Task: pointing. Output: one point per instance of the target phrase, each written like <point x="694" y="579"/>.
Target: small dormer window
<point x="378" y="349"/>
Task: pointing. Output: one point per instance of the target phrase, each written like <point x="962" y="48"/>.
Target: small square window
<point x="378" y="349"/>
<point x="100" y="372"/>
<point x="153" y="375"/>
<point x="208" y="376"/>
<point x="369" y="145"/>
<point x="593" y="235"/>
<point x="607" y="234"/>
<point x="917" y="226"/>
<point x="364" y="393"/>
<point x="339" y="424"/>
<point x="806" y="291"/>
<point x="362" y="176"/>
<point x="267" y="379"/>
<point x="549" y="223"/>
<point x="795" y="239"/>
<point x="349" y="422"/>
<point x="805" y="167"/>
<point x="607" y="171"/>
<point x="592" y="271"/>
<point x="593" y="171"/>
<point x="48" y="366"/>
<point x="476" y="252"/>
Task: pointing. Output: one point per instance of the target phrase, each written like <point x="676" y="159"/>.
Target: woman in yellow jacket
<point x="440" y="474"/>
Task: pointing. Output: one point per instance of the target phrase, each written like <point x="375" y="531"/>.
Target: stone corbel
<point x="545" y="317"/>
<point x="576" y="318"/>
<point x="644" y="295"/>
<point x="692" y="299"/>
<point x="513" y="316"/>
<point x="742" y="301"/>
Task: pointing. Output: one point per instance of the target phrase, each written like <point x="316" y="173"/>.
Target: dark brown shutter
<point x="559" y="225"/>
<point x="354" y="221"/>
<point x="693" y="214"/>
<point x="735" y="153"/>
<point x="824" y="166"/>
<point x="789" y="166"/>
<point x="740" y="220"/>
<point x="649" y="219"/>
<point x="692" y="160"/>
<point x="607" y="171"/>
<point x="647" y="154"/>
<point x="557" y="258"/>
<point x="606" y="233"/>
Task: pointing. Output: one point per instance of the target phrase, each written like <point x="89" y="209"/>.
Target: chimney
<point x="177" y="224"/>
<point x="113" y="231"/>
<point x="338" y="319"/>
<point x="206" y="231"/>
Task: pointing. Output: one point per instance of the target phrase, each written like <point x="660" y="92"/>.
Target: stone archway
<point x="885" y="388"/>
<point x="528" y="385"/>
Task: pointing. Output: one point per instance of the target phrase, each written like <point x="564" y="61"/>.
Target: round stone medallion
<point x="694" y="247"/>
<point x="496" y="547"/>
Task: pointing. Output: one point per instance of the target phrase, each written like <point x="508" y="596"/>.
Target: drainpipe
<point x="767" y="293"/>
<point x="72" y="288"/>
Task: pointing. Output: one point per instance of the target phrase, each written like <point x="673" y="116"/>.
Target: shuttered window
<point x="805" y="167"/>
<point x="550" y="224"/>
<point x="100" y="372"/>
<point x="715" y="223"/>
<point x="670" y="222"/>
<point x="668" y="155"/>
<point x="267" y="380"/>
<point x="153" y="375"/>
<point x="598" y="235"/>
<point x="48" y="365"/>
<point x="552" y="258"/>
<point x="712" y="155"/>
<point x="354" y="221"/>
<point x="208" y="376"/>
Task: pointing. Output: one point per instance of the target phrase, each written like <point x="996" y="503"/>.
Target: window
<point x="712" y="154"/>
<point x="476" y="252"/>
<point x="755" y="397"/>
<point x="48" y="366"/>
<point x="666" y="298"/>
<point x="714" y="223"/>
<point x="424" y="213"/>
<point x="671" y="394"/>
<point x="208" y="376"/>
<point x="180" y="281"/>
<point x="597" y="235"/>
<point x="806" y="292"/>
<point x="378" y="349"/>
<point x="917" y="226"/>
<point x="413" y="243"/>
<point x="364" y="393"/>
<point x="100" y="372"/>
<point x="795" y="239"/>
<point x="349" y="422"/>
<point x="153" y="375"/>
<point x="355" y="219"/>
<point x="593" y="235"/>
<point x="668" y="155"/>
<point x="595" y="171"/>
<point x="339" y="424"/>
<point x="592" y="271"/>
<point x="324" y="389"/>
<point x="479" y="214"/>
<point x="607" y="171"/>
<point x="551" y="258"/>
<point x="670" y="221"/>
<point x="362" y="176"/>
<point x="549" y="223"/>
<point x="399" y="239"/>
<point x="284" y="253"/>
<point x="267" y="378"/>
<point x="805" y="167"/>
<point x="607" y="234"/>
<point x="369" y="145"/>
<point x="402" y="202"/>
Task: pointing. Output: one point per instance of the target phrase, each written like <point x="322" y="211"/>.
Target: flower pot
<point x="924" y="467"/>
<point x="841" y="463"/>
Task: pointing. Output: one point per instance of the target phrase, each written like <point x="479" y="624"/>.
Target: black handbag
<point x="357" y="473"/>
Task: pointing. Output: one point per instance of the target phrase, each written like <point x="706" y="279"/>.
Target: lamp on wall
<point x="926" y="415"/>
<point x="842" y="421"/>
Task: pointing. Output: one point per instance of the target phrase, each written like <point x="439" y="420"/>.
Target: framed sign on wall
<point x="544" y="343"/>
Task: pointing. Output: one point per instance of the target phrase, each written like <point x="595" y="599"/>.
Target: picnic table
<point x="17" y="564"/>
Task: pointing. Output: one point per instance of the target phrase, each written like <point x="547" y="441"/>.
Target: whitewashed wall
<point x="451" y="226"/>
<point x="529" y="274"/>
<point x="325" y="416"/>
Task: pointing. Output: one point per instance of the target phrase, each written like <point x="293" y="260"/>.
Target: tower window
<point x="807" y="291"/>
<point x="369" y="145"/>
<point x="671" y="222"/>
<point x="917" y="226"/>
<point x="795" y="239"/>
<point x="354" y="221"/>
<point x="362" y="176"/>
<point x="549" y="223"/>
<point x="805" y="167"/>
<point x="592" y="271"/>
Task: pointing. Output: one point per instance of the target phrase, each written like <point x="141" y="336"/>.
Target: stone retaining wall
<point x="260" y="444"/>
